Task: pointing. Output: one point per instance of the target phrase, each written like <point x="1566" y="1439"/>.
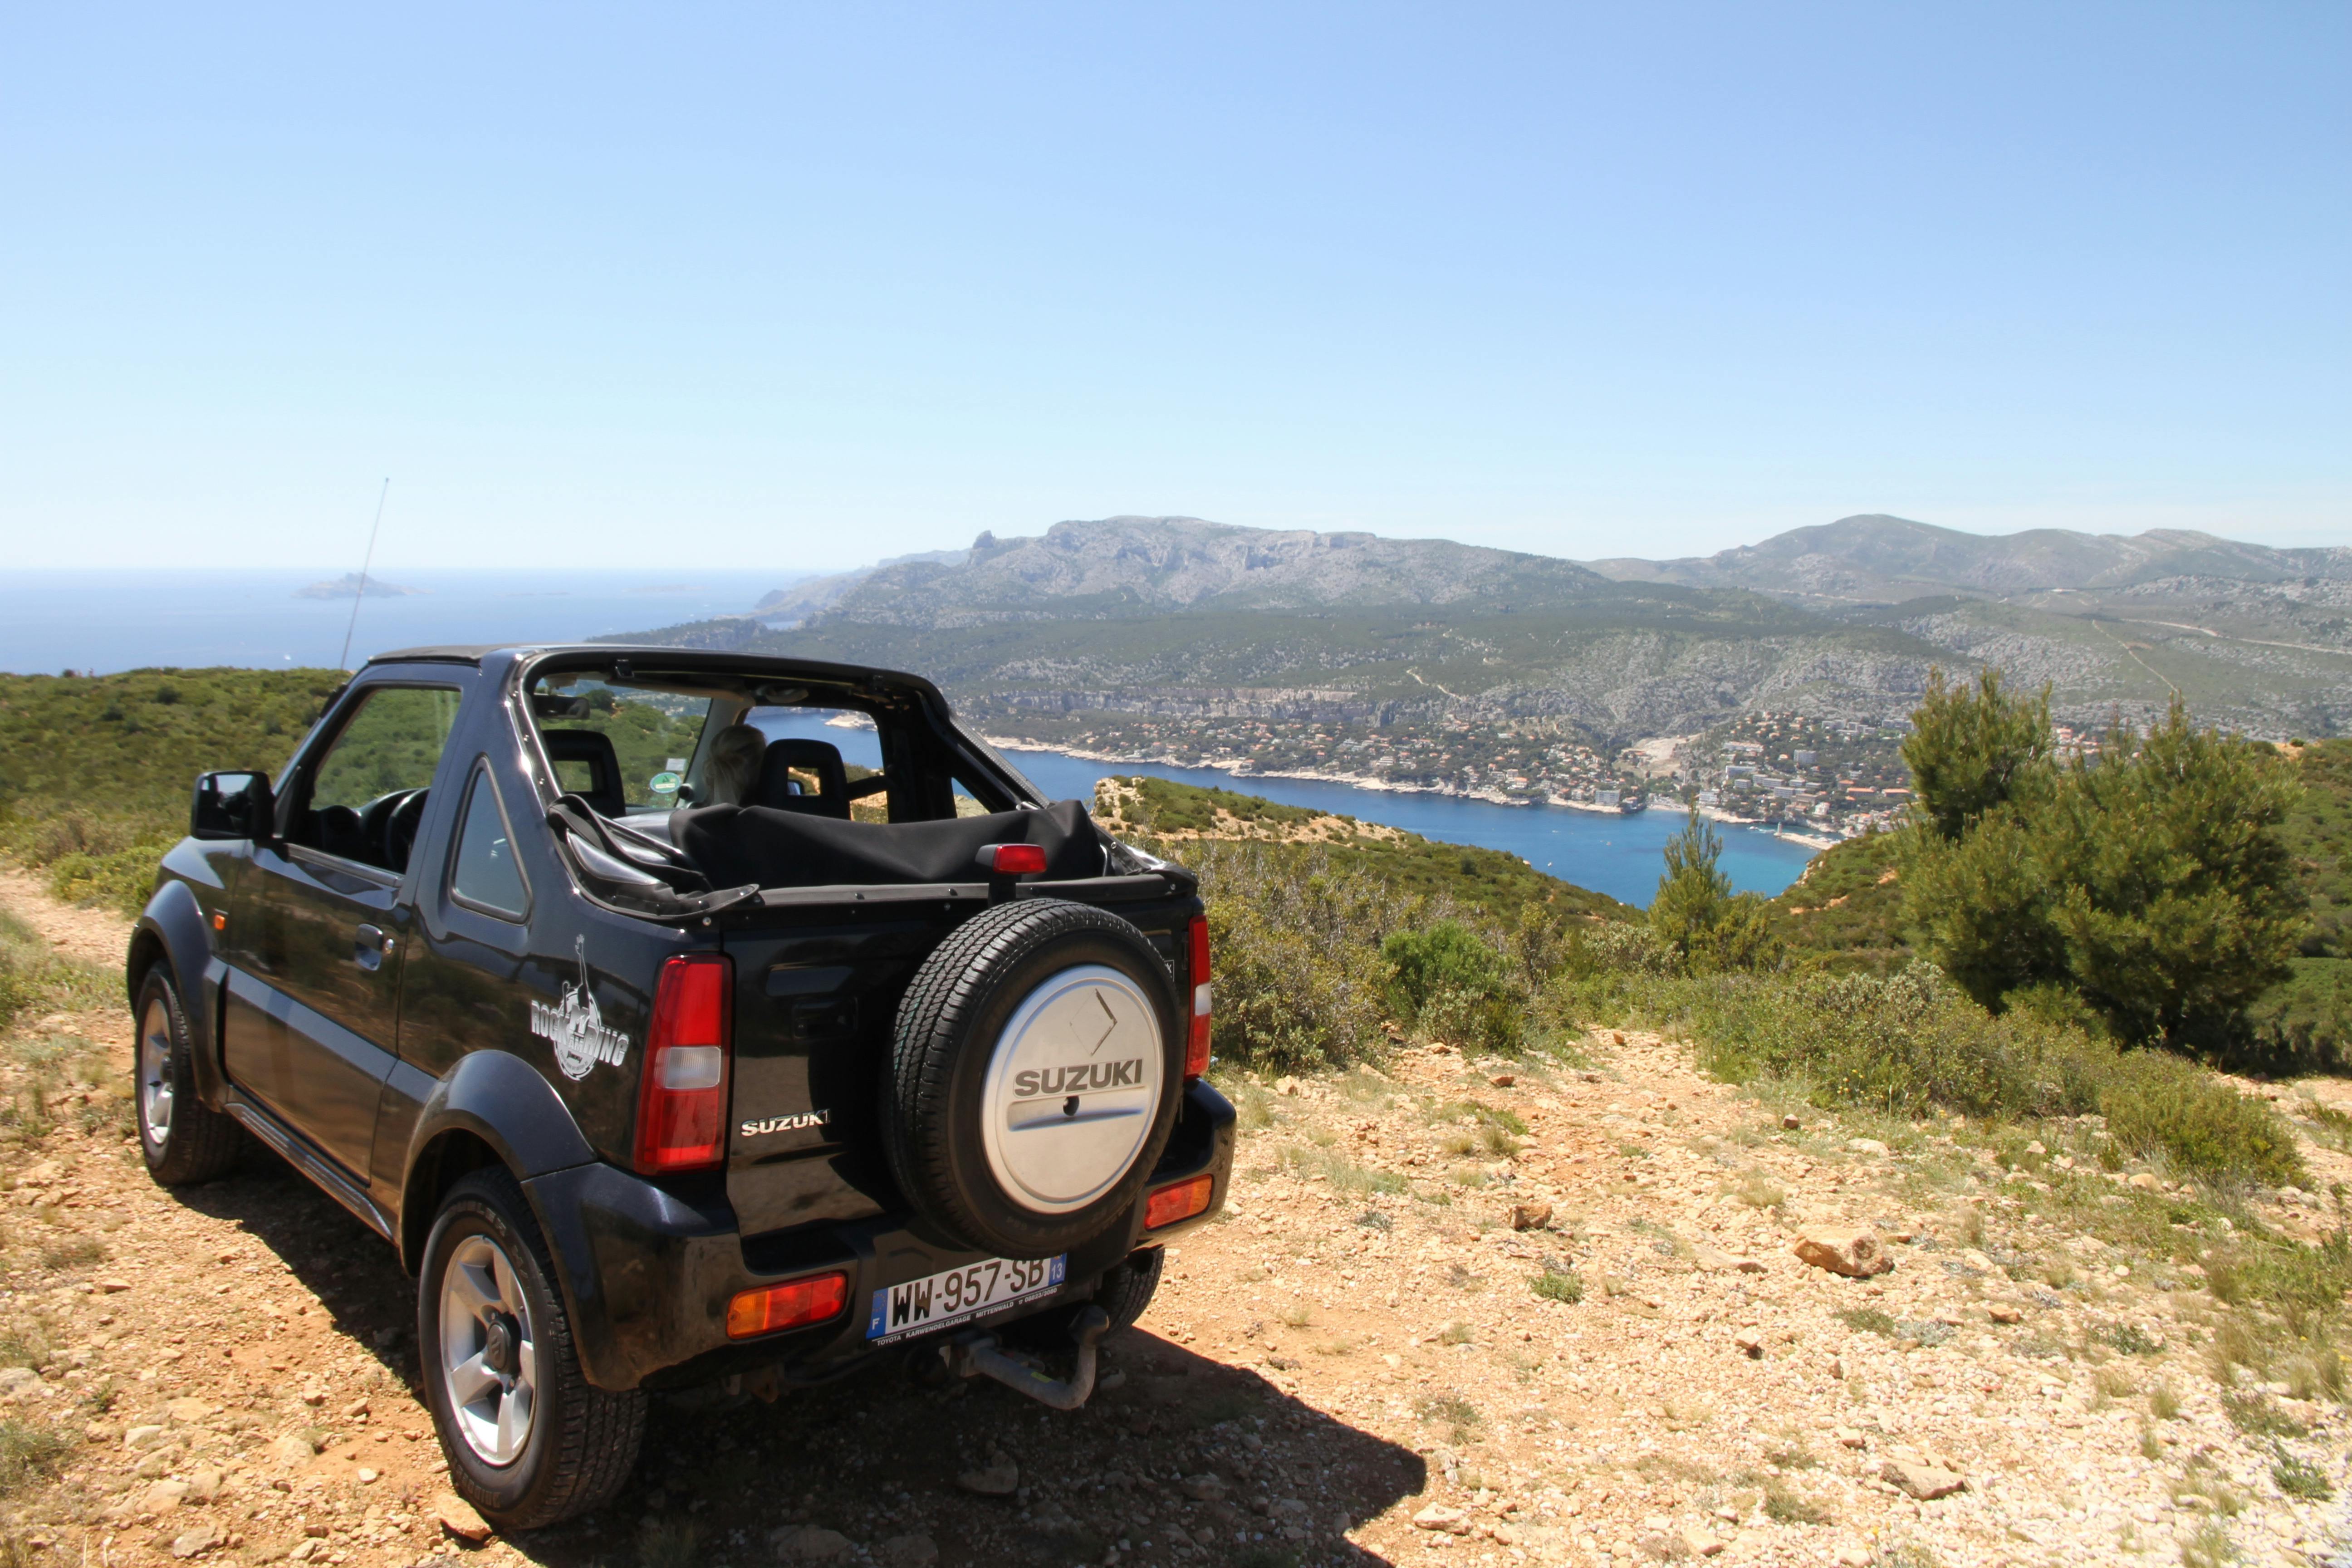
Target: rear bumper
<point x="647" y="1274"/>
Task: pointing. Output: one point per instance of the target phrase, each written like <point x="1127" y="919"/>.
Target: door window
<point x="366" y="794"/>
<point x="486" y="876"/>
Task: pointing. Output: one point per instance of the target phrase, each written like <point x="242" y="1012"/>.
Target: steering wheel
<point x="400" y="828"/>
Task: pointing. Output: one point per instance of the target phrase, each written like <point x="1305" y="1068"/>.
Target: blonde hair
<point x="734" y="765"/>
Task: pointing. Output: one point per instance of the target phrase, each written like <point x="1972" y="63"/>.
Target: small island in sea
<point x="352" y="585"/>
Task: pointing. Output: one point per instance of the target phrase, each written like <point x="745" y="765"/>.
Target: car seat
<point x="778" y="789"/>
<point x="594" y="748"/>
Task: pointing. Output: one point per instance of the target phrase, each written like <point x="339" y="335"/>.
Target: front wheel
<point x="185" y="1140"/>
<point x="529" y="1440"/>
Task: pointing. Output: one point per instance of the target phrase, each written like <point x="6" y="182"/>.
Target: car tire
<point x="1002" y="1126"/>
<point x="1125" y="1294"/>
<point x="1126" y="1290"/>
<point x="529" y="1440"/>
<point x="184" y="1141"/>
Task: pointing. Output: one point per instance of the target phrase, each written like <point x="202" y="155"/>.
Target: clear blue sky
<point x="798" y="287"/>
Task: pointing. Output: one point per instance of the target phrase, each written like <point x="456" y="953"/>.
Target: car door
<point x="310" y="1032"/>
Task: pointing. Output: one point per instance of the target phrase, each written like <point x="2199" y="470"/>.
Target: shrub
<point x="2157" y="885"/>
<point x="28" y="1453"/>
<point x="1698" y="918"/>
<point x="1446" y="959"/>
<point x="2160" y="1105"/>
<point x="1972" y="751"/>
<point x="1910" y="1041"/>
<point x="1285" y="998"/>
<point x="1560" y="1285"/>
<point x="2299" y="1478"/>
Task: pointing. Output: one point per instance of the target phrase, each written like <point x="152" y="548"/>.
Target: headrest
<point x="779" y="791"/>
<point x="594" y="748"/>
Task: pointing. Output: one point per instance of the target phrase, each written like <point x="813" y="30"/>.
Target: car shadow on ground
<point x="353" y="1271"/>
<point x="876" y="1458"/>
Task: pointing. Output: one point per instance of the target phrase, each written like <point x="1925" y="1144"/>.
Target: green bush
<point x="1446" y="957"/>
<point x="2159" y="1105"/>
<point x="1695" y="914"/>
<point x="1910" y="1042"/>
<point x="2158" y="885"/>
<point x="1295" y="948"/>
<point x="1454" y="986"/>
<point x="27" y="1454"/>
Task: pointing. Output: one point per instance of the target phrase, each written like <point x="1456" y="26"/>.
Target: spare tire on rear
<point x="1034" y="1077"/>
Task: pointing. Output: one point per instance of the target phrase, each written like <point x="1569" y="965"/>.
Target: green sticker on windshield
<point x="665" y="783"/>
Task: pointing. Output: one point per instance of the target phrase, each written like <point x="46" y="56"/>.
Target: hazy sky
<point x="798" y="287"/>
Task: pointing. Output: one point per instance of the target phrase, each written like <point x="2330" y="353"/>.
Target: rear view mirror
<point x="231" y="805"/>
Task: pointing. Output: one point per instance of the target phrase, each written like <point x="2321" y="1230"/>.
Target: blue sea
<point x="110" y="620"/>
<point x="131" y="618"/>
<point x="1613" y="854"/>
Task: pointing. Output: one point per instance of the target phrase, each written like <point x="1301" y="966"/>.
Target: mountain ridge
<point x="1137" y="565"/>
<point x="1878" y="558"/>
<point x="1182" y="621"/>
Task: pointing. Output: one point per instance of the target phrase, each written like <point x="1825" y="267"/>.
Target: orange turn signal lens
<point x="1182" y="1201"/>
<point x="795" y="1305"/>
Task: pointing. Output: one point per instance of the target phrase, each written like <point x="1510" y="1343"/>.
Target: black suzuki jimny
<point x="668" y="1044"/>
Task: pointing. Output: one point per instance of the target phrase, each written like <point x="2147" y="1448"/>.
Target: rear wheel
<point x="1126" y="1290"/>
<point x="529" y="1440"/>
<point x="185" y="1140"/>
<point x="1125" y="1294"/>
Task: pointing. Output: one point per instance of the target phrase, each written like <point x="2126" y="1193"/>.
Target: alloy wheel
<point x="488" y="1365"/>
<point x="155" y="1091"/>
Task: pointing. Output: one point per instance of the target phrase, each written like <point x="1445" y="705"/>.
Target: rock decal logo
<point x="575" y="1027"/>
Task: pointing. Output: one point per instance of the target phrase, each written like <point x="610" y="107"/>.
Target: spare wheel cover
<point x="1073" y="1089"/>
<point x="1019" y="1011"/>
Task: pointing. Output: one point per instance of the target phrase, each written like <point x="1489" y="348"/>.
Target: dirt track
<point x="1359" y="1343"/>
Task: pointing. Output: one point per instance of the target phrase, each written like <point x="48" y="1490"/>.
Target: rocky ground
<point x="1472" y="1312"/>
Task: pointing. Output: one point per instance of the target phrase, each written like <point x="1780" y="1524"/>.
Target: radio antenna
<point x="344" y="663"/>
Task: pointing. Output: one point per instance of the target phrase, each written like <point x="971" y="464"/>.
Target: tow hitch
<point x="976" y="1355"/>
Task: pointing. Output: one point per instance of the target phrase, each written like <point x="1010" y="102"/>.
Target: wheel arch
<point x="491" y="1108"/>
<point x="171" y="929"/>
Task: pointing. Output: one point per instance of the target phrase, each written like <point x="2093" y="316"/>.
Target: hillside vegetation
<point x="96" y="771"/>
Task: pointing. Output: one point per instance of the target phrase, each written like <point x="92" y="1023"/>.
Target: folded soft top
<point x="737" y="844"/>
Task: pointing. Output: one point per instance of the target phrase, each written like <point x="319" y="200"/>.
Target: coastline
<point x="1610" y="851"/>
<point x="1240" y="770"/>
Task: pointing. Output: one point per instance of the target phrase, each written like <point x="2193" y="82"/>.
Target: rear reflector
<point x="1182" y="1201"/>
<point x="792" y="1306"/>
<point x="1014" y="859"/>
<point x="1196" y="1036"/>
<point x="682" y="1101"/>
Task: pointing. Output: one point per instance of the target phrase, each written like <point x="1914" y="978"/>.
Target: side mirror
<point x="231" y="805"/>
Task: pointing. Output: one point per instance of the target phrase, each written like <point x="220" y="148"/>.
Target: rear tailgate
<point x="819" y="972"/>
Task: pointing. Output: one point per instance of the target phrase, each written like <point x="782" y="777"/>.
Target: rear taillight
<point x="1182" y="1201"/>
<point x="682" y="1105"/>
<point x="796" y="1305"/>
<point x="1196" y="1037"/>
<point x="1014" y="859"/>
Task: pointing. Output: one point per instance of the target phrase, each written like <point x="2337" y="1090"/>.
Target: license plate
<point x="960" y="1295"/>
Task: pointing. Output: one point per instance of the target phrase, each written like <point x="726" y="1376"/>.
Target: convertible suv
<point x="684" y="1016"/>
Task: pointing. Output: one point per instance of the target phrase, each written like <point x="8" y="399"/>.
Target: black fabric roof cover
<point x="735" y="844"/>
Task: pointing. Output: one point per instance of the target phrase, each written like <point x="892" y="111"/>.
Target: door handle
<point x="371" y="947"/>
